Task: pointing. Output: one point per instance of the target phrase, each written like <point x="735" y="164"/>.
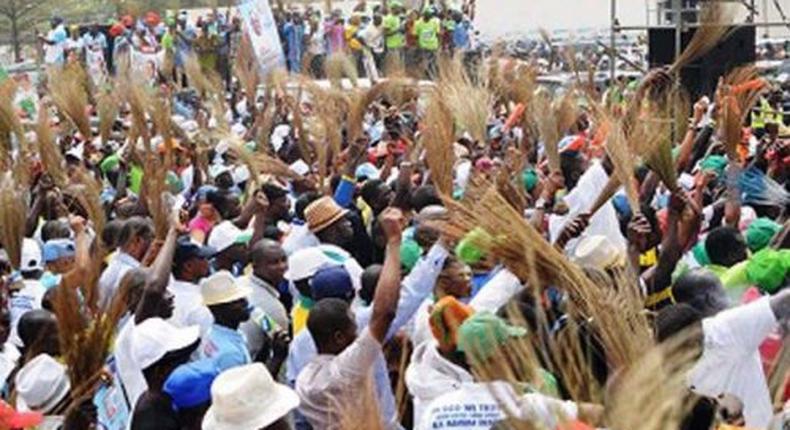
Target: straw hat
<point x="322" y="213"/>
<point x="599" y="252"/>
<point x="247" y="398"/>
<point x="221" y="288"/>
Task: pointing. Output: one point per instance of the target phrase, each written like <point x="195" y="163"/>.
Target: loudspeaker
<point x="701" y="76"/>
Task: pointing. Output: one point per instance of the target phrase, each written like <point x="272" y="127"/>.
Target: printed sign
<point x="262" y="31"/>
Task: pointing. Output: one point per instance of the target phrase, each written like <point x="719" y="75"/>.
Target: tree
<point x="20" y="19"/>
<point x="20" y="14"/>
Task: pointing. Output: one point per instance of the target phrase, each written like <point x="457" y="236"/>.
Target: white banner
<point x="262" y="30"/>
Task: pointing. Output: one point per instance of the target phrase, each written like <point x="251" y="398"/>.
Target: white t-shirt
<point x="730" y="362"/>
<point x="374" y="38"/>
<point x="188" y="307"/>
<point x="54" y="53"/>
<point x="477" y="406"/>
<point x="129" y="372"/>
<point x="27" y="299"/>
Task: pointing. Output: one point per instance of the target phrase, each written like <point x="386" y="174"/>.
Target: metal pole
<point x="765" y="19"/>
<point x="613" y="42"/>
<point x="678" y="6"/>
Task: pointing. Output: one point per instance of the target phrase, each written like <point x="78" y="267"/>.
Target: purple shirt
<point x="335" y="37"/>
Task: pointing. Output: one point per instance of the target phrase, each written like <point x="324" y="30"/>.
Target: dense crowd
<point x="308" y="37"/>
<point x="203" y="247"/>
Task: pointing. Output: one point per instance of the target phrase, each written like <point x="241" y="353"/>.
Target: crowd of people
<point x="308" y="37"/>
<point x="215" y="250"/>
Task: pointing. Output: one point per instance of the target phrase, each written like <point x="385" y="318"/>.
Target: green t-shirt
<point x="734" y="279"/>
<point x="135" y="179"/>
<point x="427" y="33"/>
<point x="396" y="38"/>
<point x="3" y="73"/>
<point x="168" y="41"/>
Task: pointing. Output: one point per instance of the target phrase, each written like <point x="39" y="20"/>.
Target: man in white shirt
<point x="373" y="37"/>
<point x="55" y="42"/>
<point x="31" y="293"/>
<point x="134" y="240"/>
<point x="730" y="363"/>
<point x="333" y="379"/>
<point x="190" y="265"/>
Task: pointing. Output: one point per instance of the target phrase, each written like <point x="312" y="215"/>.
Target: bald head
<point x="269" y="261"/>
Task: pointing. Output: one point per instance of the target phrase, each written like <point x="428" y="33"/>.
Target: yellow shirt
<point x="299" y="315"/>
<point x="351" y="40"/>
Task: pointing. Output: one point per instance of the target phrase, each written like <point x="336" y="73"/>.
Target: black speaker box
<point x="700" y="77"/>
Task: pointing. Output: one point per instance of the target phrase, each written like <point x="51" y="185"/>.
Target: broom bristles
<point x="622" y="329"/>
<point x="339" y="66"/>
<point x="108" y="107"/>
<point x="740" y="91"/>
<point x="467" y="98"/>
<point x="71" y="98"/>
<point x="438" y="140"/>
<point x="716" y="17"/>
<point x="12" y="219"/>
<point x="9" y="120"/>
<point x="51" y="157"/>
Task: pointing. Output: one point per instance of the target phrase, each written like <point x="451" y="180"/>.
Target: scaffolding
<point x="667" y="12"/>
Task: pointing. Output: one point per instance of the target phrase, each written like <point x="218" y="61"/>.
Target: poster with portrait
<point x="262" y="31"/>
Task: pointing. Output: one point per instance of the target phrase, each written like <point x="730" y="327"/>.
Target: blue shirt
<point x="227" y="347"/>
<point x="461" y="38"/>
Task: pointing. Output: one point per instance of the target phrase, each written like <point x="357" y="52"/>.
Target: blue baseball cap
<point x="187" y="250"/>
<point x="332" y="282"/>
<point x="56" y="249"/>
<point x="190" y="384"/>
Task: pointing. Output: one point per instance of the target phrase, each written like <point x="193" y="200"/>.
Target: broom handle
<point x="606" y="193"/>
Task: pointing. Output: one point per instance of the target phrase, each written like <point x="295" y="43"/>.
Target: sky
<point x="499" y="17"/>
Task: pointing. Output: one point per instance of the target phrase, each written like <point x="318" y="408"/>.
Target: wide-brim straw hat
<point x="322" y="213"/>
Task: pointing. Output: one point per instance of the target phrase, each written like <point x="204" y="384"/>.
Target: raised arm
<point x="82" y="245"/>
<point x="159" y="277"/>
<point x="385" y="301"/>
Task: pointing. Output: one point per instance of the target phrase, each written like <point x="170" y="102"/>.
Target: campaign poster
<point x="262" y="30"/>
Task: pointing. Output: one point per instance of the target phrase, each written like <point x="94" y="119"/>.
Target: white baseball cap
<point x="247" y="398"/>
<point x="31" y="256"/>
<point x="154" y="338"/>
<point x="221" y="287"/>
<point x="226" y="234"/>
<point x="304" y="263"/>
<point x="41" y="384"/>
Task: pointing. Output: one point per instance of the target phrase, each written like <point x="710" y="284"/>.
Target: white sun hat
<point x="41" y="384"/>
<point x="247" y="398"/>
<point x="153" y="338"/>
<point x="599" y="252"/>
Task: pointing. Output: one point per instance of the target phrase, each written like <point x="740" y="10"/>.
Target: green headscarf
<point x="714" y="163"/>
<point x="768" y="269"/>
<point x="481" y="335"/>
<point x="468" y="249"/>
<point x="760" y="232"/>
